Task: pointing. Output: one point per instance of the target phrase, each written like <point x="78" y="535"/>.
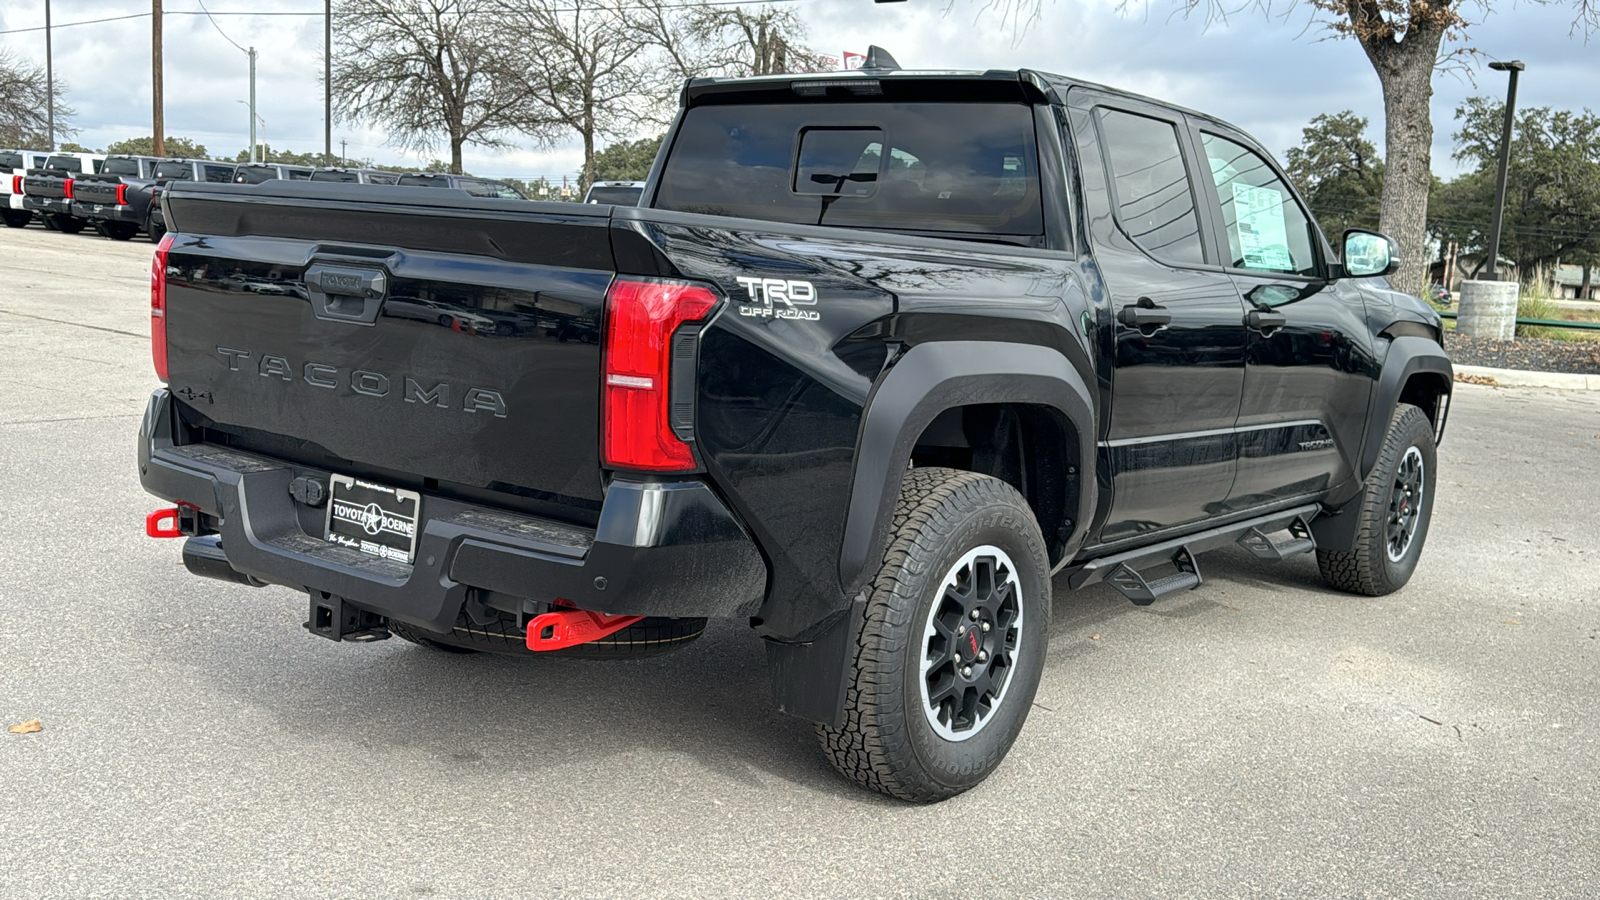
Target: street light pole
<point x="1515" y="67"/>
<point x="49" y="77"/>
<point x="253" y="158"/>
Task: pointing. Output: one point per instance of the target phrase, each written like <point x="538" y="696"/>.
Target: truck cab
<point x="14" y="166"/>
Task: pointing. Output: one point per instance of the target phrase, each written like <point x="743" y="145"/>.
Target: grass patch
<point x="1536" y="303"/>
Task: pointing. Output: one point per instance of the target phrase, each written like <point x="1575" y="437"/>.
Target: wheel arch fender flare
<point x="1408" y="356"/>
<point x="929" y="379"/>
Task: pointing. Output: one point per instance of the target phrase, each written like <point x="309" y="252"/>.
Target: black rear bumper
<point x="54" y="205"/>
<point x="659" y="549"/>
<point x="107" y="212"/>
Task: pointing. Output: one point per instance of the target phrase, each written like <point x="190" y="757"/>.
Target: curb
<point x="1525" y="378"/>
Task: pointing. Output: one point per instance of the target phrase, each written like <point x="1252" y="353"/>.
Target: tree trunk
<point x="1583" y="289"/>
<point x="1405" y="69"/>
<point x="455" y="155"/>
<point x="588" y="155"/>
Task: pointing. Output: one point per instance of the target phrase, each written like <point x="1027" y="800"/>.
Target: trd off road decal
<point x="779" y="298"/>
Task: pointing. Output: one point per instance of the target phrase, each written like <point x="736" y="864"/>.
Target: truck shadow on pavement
<point x="703" y="711"/>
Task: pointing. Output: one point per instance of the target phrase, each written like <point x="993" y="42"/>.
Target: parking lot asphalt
<point x="1259" y="736"/>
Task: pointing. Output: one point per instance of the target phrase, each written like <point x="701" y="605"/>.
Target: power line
<point x="220" y="31"/>
<point x="319" y="13"/>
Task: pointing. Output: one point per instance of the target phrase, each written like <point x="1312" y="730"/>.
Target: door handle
<point x="1265" y="320"/>
<point x="1144" y="314"/>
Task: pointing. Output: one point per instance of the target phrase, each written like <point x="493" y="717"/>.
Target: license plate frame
<point x="372" y="518"/>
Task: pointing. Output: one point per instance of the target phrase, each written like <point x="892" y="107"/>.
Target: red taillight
<point x="641" y="317"/>
<point x="16" y="184"/>
<point x="69" y="188"/>
<point x="122" y="195"/>
<point x="158" y="306"/>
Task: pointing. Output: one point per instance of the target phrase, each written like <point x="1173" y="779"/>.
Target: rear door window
<point x="967" y="168"/>
<point x="1154" y="199"/>
<point x="218" y="174"/>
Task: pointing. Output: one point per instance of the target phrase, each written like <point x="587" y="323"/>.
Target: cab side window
<point x="1267" y="230"/>
<point x="1154" y="200"/>
<point x="218" y="174"/>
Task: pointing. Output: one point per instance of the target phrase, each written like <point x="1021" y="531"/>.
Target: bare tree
<point x="762" y="40"/>
<point x="24" y="112"/>
<point x="581" y="66"/>
<point x="1405" y="41"/>
<point x="424" y="70"/>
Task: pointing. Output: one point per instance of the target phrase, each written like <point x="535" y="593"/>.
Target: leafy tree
<point x="626" y="160"/>
<point x="176" y="147"/>
<point x="283" y="157"/>
<point x="1339" y="172"/>
<point x="1406" y="41"/>
<point x="73" y="147"/>
<point x="1552" y="209"/>
<point x="24" y="111"/>
<point x="425" y="70"/>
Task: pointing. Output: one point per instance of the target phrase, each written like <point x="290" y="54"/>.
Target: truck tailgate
<point x="101" y="189"/>
<point x="396" y="334"/>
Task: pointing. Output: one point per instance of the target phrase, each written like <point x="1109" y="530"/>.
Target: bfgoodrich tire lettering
<point x="889" y="740"/>
<point x="1395" y="510"/>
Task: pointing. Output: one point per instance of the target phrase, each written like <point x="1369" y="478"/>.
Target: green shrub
<point x="1535" y="302"/>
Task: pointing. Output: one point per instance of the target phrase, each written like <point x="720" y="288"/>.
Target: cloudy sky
<point x="1267" y="75"/>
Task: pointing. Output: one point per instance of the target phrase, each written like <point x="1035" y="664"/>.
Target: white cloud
<point x="1268" y="76"/>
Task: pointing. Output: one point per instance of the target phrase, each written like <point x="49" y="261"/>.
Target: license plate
<point x="373" y="518"/>
<point x="98" y="208"/>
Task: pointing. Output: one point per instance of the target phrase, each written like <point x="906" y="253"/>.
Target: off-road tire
<point x="887" y="742"/>
<point x="118" y="231"/>
<point x="70" y="224"/>
<point x="154" y="232"/>
<point x="1368" y="569"/>
<point x="16" y="218"/>
<point x="651" y="636"/>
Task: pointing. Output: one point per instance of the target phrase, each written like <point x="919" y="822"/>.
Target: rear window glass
<point x="381" y="178"/>
<point x="65" y="163"/>
<point x="218" y="174"/>
<point x="616" y="196"/>
<point x="952" y="167"/>
<point x="175" y="171"/>
<point x="436" y="181"/>
<point x="298" y="174"/>
<point x="335" y="176"/>
<point x="11" y="161"/>
<point x="254" y="174"/>
<point x="121" y="167"/>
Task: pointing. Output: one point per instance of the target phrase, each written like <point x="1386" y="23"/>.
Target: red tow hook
<point x="565" y="628"/>
<point x="153" y="523"/>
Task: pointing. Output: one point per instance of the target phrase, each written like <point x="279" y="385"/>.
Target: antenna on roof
<point x="879" y="58"/>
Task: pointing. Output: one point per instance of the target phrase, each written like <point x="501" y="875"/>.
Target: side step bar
<point x="1121" y="570"/>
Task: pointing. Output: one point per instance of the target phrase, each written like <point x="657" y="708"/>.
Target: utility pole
<point x="158" y="119"/>
<point x="49" y="77"/>
<point x="342" y="160"/>
<point x="327" y="84"/>
<point x="253" y="149"/>
<point x="1515" y="67"/>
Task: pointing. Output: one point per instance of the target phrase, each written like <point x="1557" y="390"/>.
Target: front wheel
<point x="952" y="642"/>
<point x="1394" y="512"/>
<point x="16" y="218"/>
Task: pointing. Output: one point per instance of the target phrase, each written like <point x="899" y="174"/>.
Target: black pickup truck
<point x="117" y="200"/>
<point x="883" y="359"/>
<point x="48" y="190"/>
<point x="169" y="171"/>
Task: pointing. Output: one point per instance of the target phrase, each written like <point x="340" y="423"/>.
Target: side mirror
<point x="1369" y="253"/>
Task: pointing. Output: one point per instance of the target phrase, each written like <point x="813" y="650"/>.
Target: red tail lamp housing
<point x="68" y="188"/>
<point x="158" y="305"/>
<point x="642" y="317"/>
<point x="122" y="195"/>
<point x="16" y="184"/>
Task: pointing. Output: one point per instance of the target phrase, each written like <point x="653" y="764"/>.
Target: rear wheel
<point x="70" y="224"/>
<point x="952" y="643"/>
<point x="650" y="636"/>
<point x="155" y="231"/>
<point x="1394" y="512"/>
<point x="16" y="218"/>
<point x="119" y="231"/>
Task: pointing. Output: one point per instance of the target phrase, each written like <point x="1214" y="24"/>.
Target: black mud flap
<point x="809" y="679"/>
